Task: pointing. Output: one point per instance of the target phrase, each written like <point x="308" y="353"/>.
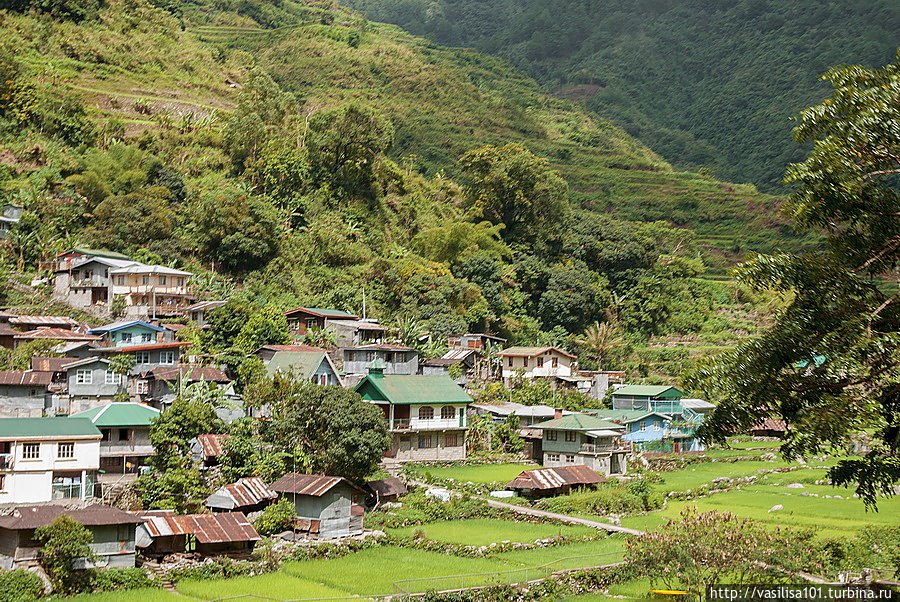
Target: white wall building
<point x="535" y="362"/>
<point x="48" y="459"/>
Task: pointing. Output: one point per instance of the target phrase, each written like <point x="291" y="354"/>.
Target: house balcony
<point x="593" y="448"/>
<point x="151" y="289"/>
<point x="416" y="424"/>
<point x="90" y="283"/>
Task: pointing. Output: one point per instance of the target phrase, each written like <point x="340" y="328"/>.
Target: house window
<point x="571" y="436"/>
<point x="527" y="361"/>
<point x="31" y="451"/>
<point x="2" y="482"/>
<point x="84" y="377"/>
<point x="554" y="362"/>
<point x="370" y="356"/>
<point x="162" y="280"/>
<point x="142" y="357"/>
<point x="146" y="338"/>
<point x="447" y="413"/>
<point x="120" y="280"/>
<point x="142" y="387"/>
<point x="570" y="459"/>
<point x="126" y="337"/>
<point x="642" y="426"/>
<point x="425" y="442"/>
<point x="426" y="413"/>
<point x="655" y="426"/>
<point x="4" y="447"/>
<point x="550" y="435"/>
<point x="126" y="434"/>
<point x="65" y="451"/>
<point x="111" y="378"/>
<point x="180" y="281"/>
<point x="540" y="362"/>
<point x="451" y="440"/>
<point x="552" y="457"/>
<point x="104" y="434"/>
<point x="145" y="279"/>
<point x="509" y="362"/>
<point x="167" y="357"/>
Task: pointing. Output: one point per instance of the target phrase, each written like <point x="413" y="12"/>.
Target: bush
<point x="611" y="499"/>
<point x="19" y="586"/>
<point x="115" y="579"/>
<point x="276" y="518"/>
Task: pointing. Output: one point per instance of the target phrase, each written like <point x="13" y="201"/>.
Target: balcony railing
<point x="65" y="492"/>
<point x="433" y="424"/>
<point x="89" y="282"/>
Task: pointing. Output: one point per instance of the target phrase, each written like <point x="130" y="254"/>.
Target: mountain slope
<point x="701" y="83"/>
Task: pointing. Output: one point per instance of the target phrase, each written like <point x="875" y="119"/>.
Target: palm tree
<point x="320" y="337"/>
<point x="599" y="340"/>
<point x="409" y="329"/>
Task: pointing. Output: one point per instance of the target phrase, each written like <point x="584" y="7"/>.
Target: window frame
<point x="551" y="435"/>
<point x="111" y="378"/>
<point x="27" y="448"/>
<point x="571" y="436"/>
<point x="427" y="439"/>
<point x="426" y="413"/>
<point x="167" y="358"/>
<point x="84" y="376"/>
<point x="445" y="410"/>
<point x="67" y="445"/>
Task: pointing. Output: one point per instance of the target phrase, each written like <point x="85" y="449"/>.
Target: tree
<point x="20" y="358"/>
<point x="409" y="329"/>
<point x="513" y="187"/>
<point x="830" y="364"/>
<point x="172" y="430"/>
<point x="265" y="327"/>
<point x="276" y="518"/>
<point x="699" y="549"/>
<point x="320" y="336"/>
<point x="63" y="542"/>
<point x="333" y="427"/>
<point x="458" y="240"/>
<point x="599" y="341"/>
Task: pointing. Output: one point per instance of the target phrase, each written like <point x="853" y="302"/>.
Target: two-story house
<point x="149" y="356"/>
<point x="81" y="276"/>
<point x="584" y="439"/>
<point x="134" y="332"/>
<point x="25" y="393"/>
<point x="48" y="459"/>
<point x="535" y="362"/>
<point x="160" y="384"/>
<point x="473" y="340"/>
<point x="92" y="382"/>
<point x="198" y="313"/>
<point x="125" y="435"/>
<point x="395" y="359"/>
<point x="658" y="418"/>
<point x="426" y="414"/>
<point x="306" y="318"/>
<point x="650" y="398"/>
<point x="349" y="330"/>
<point x="112" y="536"/>
<point x="151" y="290"/>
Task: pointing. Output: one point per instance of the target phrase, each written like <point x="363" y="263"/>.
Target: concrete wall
<point x="407" y="447"/>
<point x="396" y="362"/>
<point x="30" y="480"/>
<point x="23" y="402"/>
<point x="98" y="387"/>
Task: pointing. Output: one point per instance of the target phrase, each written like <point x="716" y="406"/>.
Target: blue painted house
<point x="135" y="332"/>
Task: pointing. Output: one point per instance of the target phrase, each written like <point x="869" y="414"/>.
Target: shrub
<point x="19" y="586"/>
<point x="63" y="541"/>
<point x="275" y="518"/>
<point x="611" y="499"/>
<point x="116" y="579"/>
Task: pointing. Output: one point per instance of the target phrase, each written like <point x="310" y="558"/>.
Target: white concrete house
<point x="535" y="362"/>
<point x="48" y="459"/>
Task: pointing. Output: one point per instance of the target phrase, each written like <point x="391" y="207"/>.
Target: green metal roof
<point x="624" y="416"/>
<point x="117" y="414"/>
<point x="98" y="253"/>
<point x="578" y="422"/>
<point x="411" y="389"/>
<point x="46" y="427"/>
<point x="302" y="363"/>
<point x="649" y="391"/>
<point x="817" y="360"/>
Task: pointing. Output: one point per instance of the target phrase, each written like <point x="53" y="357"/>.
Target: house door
<point x="462" y="417"/>
<point x="676" y="446"/>
<point x="401" y="417"/>
<point x="98" y="295"/>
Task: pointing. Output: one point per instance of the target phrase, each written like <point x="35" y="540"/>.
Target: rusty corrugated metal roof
<point x="50" y="364"/>
<point x="552" y="478"/>
<point x="213" y="445"/>
<point x="207" y="528"/>
<point x="32" y="517"/>
<point x="248" y="491"/>
<point x="25" y="378"/>
<point x="191" y="372"/>
<point x="308" y="484"/>
<point x="60" y="334"/>
<point x="389" y="486"/>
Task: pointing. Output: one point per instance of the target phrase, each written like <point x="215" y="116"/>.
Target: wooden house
<point x="579" y="438"/>
<point x="328" y="507"/>
<point x="386" y="490"/>
<point x="163" y="532"/>
<point x="543" y="482"/>
<point x="244" y="495"/>
<point x="394" y="359"/>
<point x="473" y="340"/>
<point x="311" y="364"/>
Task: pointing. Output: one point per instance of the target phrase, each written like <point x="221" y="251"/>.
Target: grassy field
<point x="483" y="531"/>
<point x="695" y="475"/>
<point x="273" y="585"/>
<point x="135" y="595"/>
<point x="477" y="473"/>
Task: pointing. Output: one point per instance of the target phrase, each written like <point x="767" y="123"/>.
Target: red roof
<point x="221" y="527"/>
<point x="56" y="333"/>
<point x="291" y="348"/>
<point x="322" y="314"/>
<point x="308" y="484"/>
<point x="771" y="424"/>
<point x="212" y="445"/>
<point x="191" y="372"/>
<point x="149" y="347"/>
<point x="381" y="347"/>
<point x="26" y="378"/>
<point x="552" y="478"/>
<point x="32" y="517"/>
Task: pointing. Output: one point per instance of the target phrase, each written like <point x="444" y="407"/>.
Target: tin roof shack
<point x="163" y="532"/>
<point x="329" y="507"/>
<point x="244" y="495"/>
<point x="25" y="394"/>
<point x="544" y="482"/>
<point x="113" y="534"/>
<point x="206" y="449"/>
<point x="386" y="490"/>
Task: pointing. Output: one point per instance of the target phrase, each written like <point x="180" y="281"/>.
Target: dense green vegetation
<point x="705" y="85"/>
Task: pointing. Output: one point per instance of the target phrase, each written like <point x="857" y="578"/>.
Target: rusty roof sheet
<point x="50" y="364"/>
<point x="221" y="527"/>
<point x="32" y="517"/>
<point x="389" y="486"/>
<point x="60" y="334"/>
<point x="770" y="424"/>
<point x="26" y="378"/>
<point x="308" y="484"/>
<point x="43" y="320"/>
<point x="248" y="491"/>
<point x="212" y="445"/>
<point x="551" y="478"/>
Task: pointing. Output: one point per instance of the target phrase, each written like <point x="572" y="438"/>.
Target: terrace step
<point x="161" y="575"/>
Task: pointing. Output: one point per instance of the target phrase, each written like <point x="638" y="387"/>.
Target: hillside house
<point x="125" y="435"/>
<point x="535" y="362"/>
<point x="352" y="333"/>
<point x="545" y="482"/>
<point x="467" y="361"/>
<point x="473" y="340"/>
<point x="658" y="432"/>
<point x="9" y="217"/>
<point x="24" y="323"/>
<point x="311" y="364"/>
<point x="159" y="384"/>
<point x="56" y="366"/>
<point x="52" y="334"/>
<point x="244" y="495"/>
<point x="151" y="290"/>
<point x="134" y="332"/>
<point x="47" y="459"/>
<point x="81" y="276"/>
<point x="198" y="313"/>
<point x="328" y="507"/>
<point x="426" y="414"/>
<point x="770" y="427"/>
<point x="584" y="439"/>
<point x="92" y="382"/>
<point x="306" y="318"/>
<point x="395" y="359"/>
<point x="25" y="393"/>
<point x="386" y="490"/>
<point x="649" y="398"/>
<point x="148" y="357"/>
<point x="525" y="415"/>
<point x="163" y="532"/>
<point x="206" y="449"/>
<point x="77" y="350"/>
<point x="112" y="533"/>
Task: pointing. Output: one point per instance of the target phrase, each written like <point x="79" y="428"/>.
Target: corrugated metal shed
<point x="553" y="478"/>
<point x="212" y="445"/>
<point x="207" y="528"/>
<point x="25" y="378"/>
<point x="32" y="517"/>
<point x="243" y="493"/>
<point x="308" y="484"/>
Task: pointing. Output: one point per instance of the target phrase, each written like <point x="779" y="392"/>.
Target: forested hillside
<point x="701" y="83"/>
<point x="295" y="153"/>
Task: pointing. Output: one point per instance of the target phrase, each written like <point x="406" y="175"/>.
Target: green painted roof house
<point x="654" y="391"/>
<point x="116" y="415"/>
<point x="308" y="365"/>
<point x="50" y="428"/>
<point x="578" y="422"/>
<point x="409" y="389"/>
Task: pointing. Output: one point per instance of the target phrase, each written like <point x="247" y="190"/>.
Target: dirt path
<point x="562" y="517"/>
